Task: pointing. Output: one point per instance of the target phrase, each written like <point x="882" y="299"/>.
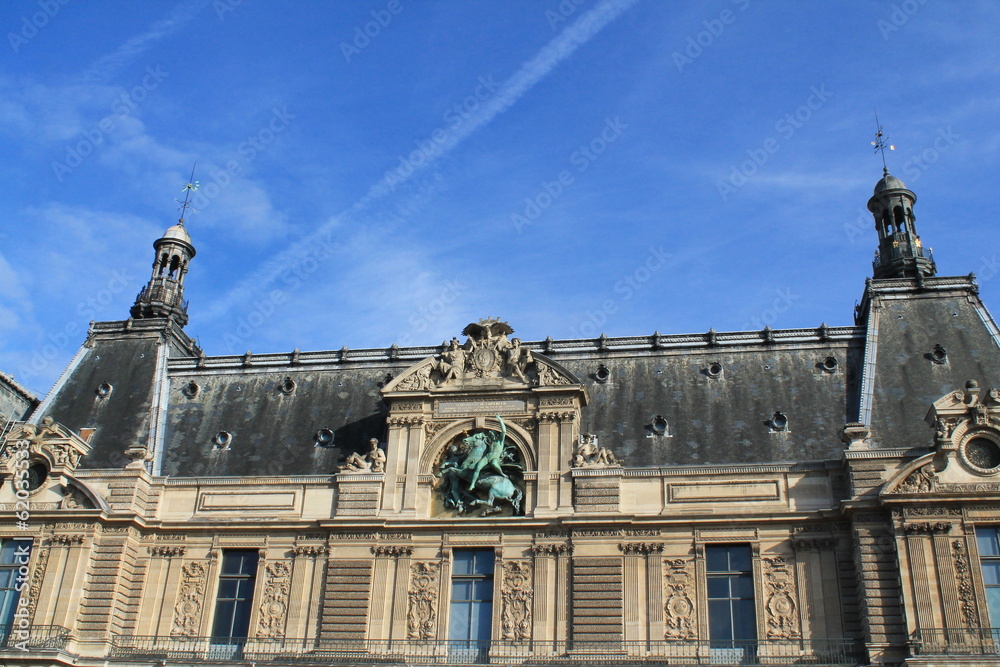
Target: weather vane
<point x="189" y="187"/>
<point x="880" y="144"/>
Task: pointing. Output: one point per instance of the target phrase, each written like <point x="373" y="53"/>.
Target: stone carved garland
<point x="35" y="588"/>
<point x="190" y="600"/>
<point x="516" y="595"/>
<point x="679" y="607"/>
<point x="423" y="599"/>
<point x="781" y="614"/>
<point x="966" y="591"/>
<point x="274" y="607"/>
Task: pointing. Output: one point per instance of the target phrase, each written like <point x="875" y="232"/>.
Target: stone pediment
<point x="966" y="456"/>
<point x="57" y="445"/>
<point x="489" y="358"/>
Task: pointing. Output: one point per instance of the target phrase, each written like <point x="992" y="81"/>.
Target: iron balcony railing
<point x="955" y="641"/>
<point x="527" y="652"/>
<point x="33" y="637"/>
<point x="902" y="251"/>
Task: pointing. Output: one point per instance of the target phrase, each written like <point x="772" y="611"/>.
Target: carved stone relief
<point x="643" y="548"/>
<point x="679" y="606"/>
<point x="190" y="600"/>
<point x="551" y="549"/>
<point x="966" y="590"/>
<point x="310" y="550"/>
<point x="274" y="606"/>
<point x="781" y="617"/>
<point x="921" y="480"/>
<point x="487" y="353"/>
<point x="392" y="551"/>
<point x="35" y="588"/>
<point x="423" y="600"/>
<point x="516" y="594"/>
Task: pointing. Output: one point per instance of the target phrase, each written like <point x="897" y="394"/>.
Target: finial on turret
<point x="880" y="144"/>
<point x="189" y="187"/>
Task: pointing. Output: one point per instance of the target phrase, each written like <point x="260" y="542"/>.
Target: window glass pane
<point x="461" y="590"/>
<point x="463" y="562"/>
<point x="986" y="540"/>
<point x="719" y="620"/>
<point x="993" y="603"/>
<point x="742" y="586"/>
<point x="13" y="552"/>
<point x="482" y="618"/>
<point x="459" y="622"/>
<point x="483" y="589"/>
<point x="227" y="588"/>
<point x="717" y="559"/>
<point x="484" y="562"/>
<point x="718" y="587"/>
<point x="991" y="573"/>
<point x="739" y="559"/>
<point x="223" y="618"/>
<point x="744" y="622"/>
<point x="241" y="620"/>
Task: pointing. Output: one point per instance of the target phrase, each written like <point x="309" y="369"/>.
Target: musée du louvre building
<point x="825" y="496"/>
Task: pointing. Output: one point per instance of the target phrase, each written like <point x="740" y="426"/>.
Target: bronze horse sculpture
<point x="478" y="466"/>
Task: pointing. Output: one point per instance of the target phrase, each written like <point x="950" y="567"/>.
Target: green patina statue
<point x="476" y="466"/>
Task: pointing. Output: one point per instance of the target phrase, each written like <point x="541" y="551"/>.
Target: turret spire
<point x="163" y="295"/>
<point x="900" y="252"/>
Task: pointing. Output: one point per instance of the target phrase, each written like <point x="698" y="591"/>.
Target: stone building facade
<point x="780" y="497"/>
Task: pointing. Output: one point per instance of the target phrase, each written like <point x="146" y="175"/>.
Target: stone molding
<point x="310" y="550"/>
<point x="392" y="551"/>
<point x="166" y="551"/>
<point x="640" y="548"/>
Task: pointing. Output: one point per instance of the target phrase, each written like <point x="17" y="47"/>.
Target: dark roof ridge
<point x="607" y="344"/>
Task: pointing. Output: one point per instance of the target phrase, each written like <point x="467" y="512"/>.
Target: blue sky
<point x="379" y="172"/>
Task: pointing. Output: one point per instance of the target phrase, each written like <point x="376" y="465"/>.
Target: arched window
<point x="897" y="212"/>
<point x="175" y="263"/>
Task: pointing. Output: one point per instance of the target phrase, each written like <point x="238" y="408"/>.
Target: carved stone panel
<point x="781" y="612"/>
<point x="516" y="595"/>
<point x="423" y="600"/>
<point x="190" y="600"/>
<point x="966" y="590"/>
<point x="274" y="606"/>
<point x="679" y="606"/>
<point x="37" y="576"/>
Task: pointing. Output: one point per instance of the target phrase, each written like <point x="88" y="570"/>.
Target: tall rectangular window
<point x="235" y="599"/>
<point x="988" y="541"/>
<point x="14" y="556"/>
<point x="731" y="616"/>
<point x="471" y="616"/>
